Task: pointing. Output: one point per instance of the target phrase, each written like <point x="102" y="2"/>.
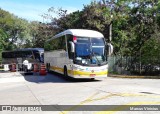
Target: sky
<point x="33" y="9"/>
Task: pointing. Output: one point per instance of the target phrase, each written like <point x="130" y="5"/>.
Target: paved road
<point x="54" y="89"/>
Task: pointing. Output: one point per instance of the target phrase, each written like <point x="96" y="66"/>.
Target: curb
<point x="132" y="76"/>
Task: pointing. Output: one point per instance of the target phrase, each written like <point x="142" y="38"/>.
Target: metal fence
<point x="133" y="66"/>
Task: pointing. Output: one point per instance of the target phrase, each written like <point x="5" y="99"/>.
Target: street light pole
<point x="110" y="29"/>
<point x="110" y="37"/>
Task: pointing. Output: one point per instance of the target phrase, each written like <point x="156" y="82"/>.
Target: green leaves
<point x="13" y="30"/>
<point x="135" y="23"/>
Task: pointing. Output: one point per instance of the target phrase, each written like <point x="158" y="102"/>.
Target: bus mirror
<point x="72" y="46"/>
<point x="110" y="48"/>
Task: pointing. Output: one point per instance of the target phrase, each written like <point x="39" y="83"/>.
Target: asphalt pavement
<point x="55" y="89"/>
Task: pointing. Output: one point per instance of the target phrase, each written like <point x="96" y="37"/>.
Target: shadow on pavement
<point x="54" y="78"/>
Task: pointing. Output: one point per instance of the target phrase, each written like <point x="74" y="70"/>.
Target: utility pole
<point x="110" y="29"/>
<point x="110" y="37"/>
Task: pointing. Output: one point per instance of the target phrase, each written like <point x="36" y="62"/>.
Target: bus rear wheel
<point x="48" y="67"/>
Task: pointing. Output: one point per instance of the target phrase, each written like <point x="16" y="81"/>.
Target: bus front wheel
<point x="65" y="71"/>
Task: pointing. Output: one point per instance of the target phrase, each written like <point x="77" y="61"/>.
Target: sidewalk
<point x="133" y="76"/>
<point x="8" y="77"/>
<point x="9" y="74"/>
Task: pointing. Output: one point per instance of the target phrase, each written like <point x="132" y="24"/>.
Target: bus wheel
<point x="65" y="71"/>
<point x="48" y="67"/>
<point x="92" y="79"/>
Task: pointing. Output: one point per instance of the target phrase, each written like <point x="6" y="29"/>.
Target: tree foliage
<point x="14" y="31"/>
<point x="135" y="23"/>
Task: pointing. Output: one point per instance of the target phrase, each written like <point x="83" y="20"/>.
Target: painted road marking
<point x="81" y="103"/>
<point x="92" y="99"/>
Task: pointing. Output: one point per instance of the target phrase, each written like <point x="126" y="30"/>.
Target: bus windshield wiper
<point x="96" y="58"/>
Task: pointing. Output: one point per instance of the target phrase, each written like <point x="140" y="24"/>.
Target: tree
<point x="94" y="16"/>
<point x="14" y="30"/>
<point x="40" y="32"/>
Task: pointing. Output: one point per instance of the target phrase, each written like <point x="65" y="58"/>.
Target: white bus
<point x="30" y="55"/>
<point x="77" y="53"/>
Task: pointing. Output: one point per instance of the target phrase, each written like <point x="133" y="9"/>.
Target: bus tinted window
<point x="97" y="41"/>
<point x="28" y="54"/>
<point x="69" y="38"/>
<point x="6" y="55"/>
<point x="17" y="54"/>
<point x="82" y="40"/>
<point x="56" y="44"/>
<point x="33" y="55"/>
<point x="37" y="56"/>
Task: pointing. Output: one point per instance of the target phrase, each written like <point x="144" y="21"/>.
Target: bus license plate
<point x="92" y="75"/>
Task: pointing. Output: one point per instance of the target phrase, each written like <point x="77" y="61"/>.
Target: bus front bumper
<point x="84" y="74"/>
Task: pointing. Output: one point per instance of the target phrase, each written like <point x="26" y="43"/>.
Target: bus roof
<point x="27" y="49"/>
<point x="80" y="32"/>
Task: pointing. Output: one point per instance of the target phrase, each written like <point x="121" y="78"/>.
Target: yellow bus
<point x="78" y="53"/>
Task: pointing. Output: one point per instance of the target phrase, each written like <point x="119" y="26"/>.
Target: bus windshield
<point x="90" y="51"/>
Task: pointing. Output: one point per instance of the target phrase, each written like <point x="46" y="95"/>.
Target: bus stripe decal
<point x="80" y="73"/>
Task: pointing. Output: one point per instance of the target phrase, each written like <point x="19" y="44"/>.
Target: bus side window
<point x="36" y="55"/>
<point x="62" y="43"/>
<point x="69" y="38"/>
<point x="42" y="57"/>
